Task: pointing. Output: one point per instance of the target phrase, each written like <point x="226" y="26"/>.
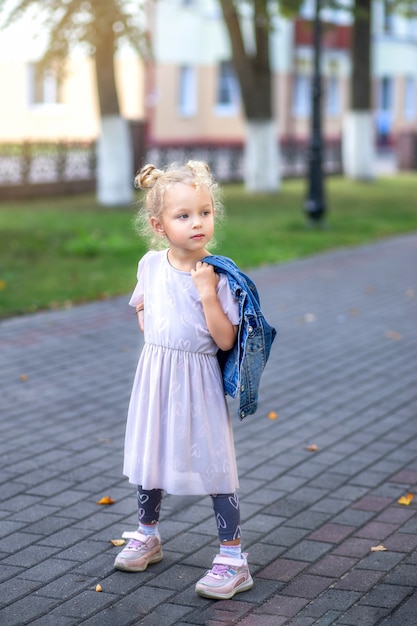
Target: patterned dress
<point x="178" y="435"/>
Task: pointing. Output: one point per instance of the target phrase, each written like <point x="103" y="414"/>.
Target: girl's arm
<point x="139" y="313"/>
<point x="220" y="327"/>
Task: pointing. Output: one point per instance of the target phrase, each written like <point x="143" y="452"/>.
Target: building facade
<point x="193" y="96"/>
<point x="189" y="94"/>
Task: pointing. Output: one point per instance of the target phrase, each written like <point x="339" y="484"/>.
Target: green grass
<point x="63" y="251"/>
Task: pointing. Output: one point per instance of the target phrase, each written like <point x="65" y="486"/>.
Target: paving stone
<point x="354" y="547"/>
<point x="359" y="580"/>
<point x="372" y="503"/>
<point x="330" y="600"/>
<point x="307" y="586"/>
<point x="308" y="550"/>
<point x="363" y="615"/>
<point x="387" y="596"/>
<point x="405" y="575"/>
<point x="383" y="561"/>
<point x="332" y="565"/>
<point x="333" y="533"/>
<point x="283" y="570"/>
<point x="282" y="605"/>
<point x="377" y="530"/>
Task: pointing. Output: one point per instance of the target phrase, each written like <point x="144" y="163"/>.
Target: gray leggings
<point x="225" y="505"/>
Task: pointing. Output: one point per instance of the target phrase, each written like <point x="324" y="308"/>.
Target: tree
<point x="100" y="26"/>
<point x="358" y="133"/>
<point x="251" y="62"/>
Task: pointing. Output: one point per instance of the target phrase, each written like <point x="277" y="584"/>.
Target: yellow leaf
<point x="312" y="448"/>
<point x="2" y="284"/>
<point x="406" y="500"/>
<point x="117" y="542"/>
<point x="272" y="415"/>
<point x="379" y="548"/>
<point x="106" y="500"/>
<point x="23" y="378"/>
<point x="392" y="334"/>
<point x="99" y="588"/>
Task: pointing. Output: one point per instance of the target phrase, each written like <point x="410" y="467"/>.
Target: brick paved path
<point x="342" y="377"/>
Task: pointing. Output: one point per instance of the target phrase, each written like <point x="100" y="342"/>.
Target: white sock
<point x="233" y="551"/>
<point x="148" y="529"/>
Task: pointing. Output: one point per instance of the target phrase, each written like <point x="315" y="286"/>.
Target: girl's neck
<point x="185" y="262"/>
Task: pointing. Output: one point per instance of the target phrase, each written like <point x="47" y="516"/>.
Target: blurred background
<point x="168" y="78"/>
<point x="277" y="96"/>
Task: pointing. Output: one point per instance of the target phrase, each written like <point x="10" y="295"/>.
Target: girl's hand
<point x="140" y="315"/>
<point x="218" y="324"/>
<point x="205" y="279"/>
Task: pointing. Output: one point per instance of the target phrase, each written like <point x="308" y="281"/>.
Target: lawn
<point x="58" y="252"/>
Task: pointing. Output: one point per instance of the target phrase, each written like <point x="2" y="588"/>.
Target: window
<point x="410" y="98"/>
<point x="187" y="101"/>
<point x="384" y="112"/>
<point x="389" y="19"/>
<point x="44" y="87"/>
<point x="301" y="104"/>
<point x="228" y="96"/>
<point x="385" y="102"/>
<point x="333" y="96"/>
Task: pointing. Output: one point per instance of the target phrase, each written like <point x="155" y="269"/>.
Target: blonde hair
<point x="155" y="182"/>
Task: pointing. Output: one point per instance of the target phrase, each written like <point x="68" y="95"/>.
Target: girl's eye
<point x="182" y="216"/>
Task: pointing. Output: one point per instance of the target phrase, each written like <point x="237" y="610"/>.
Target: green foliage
<point x="90" y="244"/>
<point x="72" y="23"/>
<point x="61" y="251"/>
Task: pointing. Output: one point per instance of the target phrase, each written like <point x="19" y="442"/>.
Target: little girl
<point x="179" y="437"/>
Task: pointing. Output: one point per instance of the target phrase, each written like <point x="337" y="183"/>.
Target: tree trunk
<point x="255" y="79"/>
<point x="358" y="145"/>
<point x="105" y="75"/>
<point x="361" y="57"/>
<point x="114" y="147"/>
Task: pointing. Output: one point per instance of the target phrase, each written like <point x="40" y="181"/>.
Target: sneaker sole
<point x="213" y="595"/>
<point x="125" y="567"/>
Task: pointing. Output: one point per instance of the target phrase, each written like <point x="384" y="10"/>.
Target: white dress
<point x="178" y="435"/>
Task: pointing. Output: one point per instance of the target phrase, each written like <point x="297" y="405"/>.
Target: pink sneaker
<point x="227" y="577"/>
<point x="139" y="552"/>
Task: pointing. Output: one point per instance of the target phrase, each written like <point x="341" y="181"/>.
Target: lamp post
<point x="314" y="205"/>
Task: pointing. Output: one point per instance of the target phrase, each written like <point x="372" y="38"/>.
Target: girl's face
<point x="187" y="220"/>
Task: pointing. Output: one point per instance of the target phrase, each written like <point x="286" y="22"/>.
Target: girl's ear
<point x="157" y="226"/>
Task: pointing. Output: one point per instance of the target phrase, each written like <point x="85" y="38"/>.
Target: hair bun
<point x="199" y="167"/>
<point x="147" y="176"/>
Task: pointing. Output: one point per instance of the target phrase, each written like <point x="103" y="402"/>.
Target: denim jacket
<point x="242" y="365"/>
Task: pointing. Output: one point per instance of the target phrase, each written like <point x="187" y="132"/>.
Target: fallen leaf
<point x="406" y="500"/>
<point x="353" y="311"/>
<point x="99" y="588"/>
<point x="379" y="548"/>
<point x="392" y="334"/>
<point x="312" y="448"/>
<point x="106" y="500"/>
<point x="2" y="284"/>
<point x="272" y="415"/>
<point x="369" y="289"/>
<point x="23" y="378"/>
<point x="117" y="542"/>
